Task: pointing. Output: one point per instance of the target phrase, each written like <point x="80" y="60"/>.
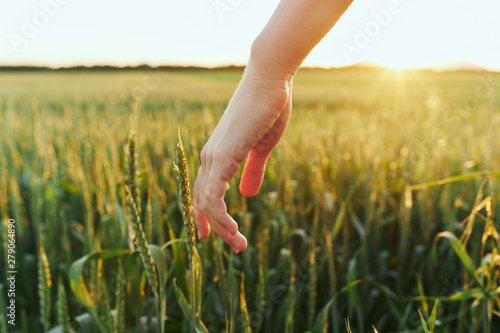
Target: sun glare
<point x="401" y="60"/>
<point x="399" y="64"/>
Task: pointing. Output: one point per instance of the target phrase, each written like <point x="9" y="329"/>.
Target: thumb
<point x="253" y="174"/>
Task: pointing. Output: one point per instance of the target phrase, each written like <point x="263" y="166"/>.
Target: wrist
<point x="265" y="65"/>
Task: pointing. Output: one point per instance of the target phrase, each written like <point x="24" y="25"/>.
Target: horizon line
<point x="363" y="64"/>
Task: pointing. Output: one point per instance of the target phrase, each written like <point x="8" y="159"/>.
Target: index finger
<point x="211" y="203"/>
<point x="215" y="211"/>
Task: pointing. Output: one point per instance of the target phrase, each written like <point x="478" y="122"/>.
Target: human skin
<point x="258" y="112"/>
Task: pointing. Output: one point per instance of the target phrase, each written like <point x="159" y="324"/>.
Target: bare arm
<point x="258" y="113"/>
<point x="295" y="28"/>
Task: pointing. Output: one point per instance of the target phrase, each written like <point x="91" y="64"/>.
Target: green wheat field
<point x="377" y="212"/>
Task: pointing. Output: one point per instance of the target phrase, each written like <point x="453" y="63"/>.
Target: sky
<point x="394" y="33"/>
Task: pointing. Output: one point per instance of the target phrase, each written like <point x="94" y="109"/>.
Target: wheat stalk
<point x="142" y="242"/>
<point x="187" y="212"/>
<point x="120" y="303"/>
<point x="106" y="316"/>
<point x="132" y="173"/>
<point x="62" y="309"/>
<point x="185" y="196"/>
<point x="44" y="285"/>
<point x="244" y="317"/>
<point x="120" y="300"/>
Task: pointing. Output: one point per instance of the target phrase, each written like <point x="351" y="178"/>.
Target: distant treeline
<point x="113" y="68"/>
<point x="160" y="68"/>
<point x="357" y="67"/>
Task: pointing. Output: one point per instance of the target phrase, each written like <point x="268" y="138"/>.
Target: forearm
<point x="295" y="28"/>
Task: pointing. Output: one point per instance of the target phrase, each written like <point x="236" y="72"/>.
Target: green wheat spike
<point x="132" y="173"/>
<point x="181" y="166"/>
<point x="63" y="319"/>
<point x="142" y="242"/>
<point x="44" y="286"/>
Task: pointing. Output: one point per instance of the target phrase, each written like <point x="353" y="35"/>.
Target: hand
<point x="251" y="126"/>
<point x="257" y="115"/>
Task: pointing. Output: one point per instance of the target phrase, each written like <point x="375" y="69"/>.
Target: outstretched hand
<point x="258" y="113"/>
<point x="251" y="126"/>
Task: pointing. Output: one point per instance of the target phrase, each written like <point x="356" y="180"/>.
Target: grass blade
<point x="460" y="251"/>
<point x="321" y="324"/>
<point x="422" y="321"/>
<point x="77" y="282"/>
<point x="187" y="309"/>
<point x="432" y="320"/>
<point x="456" y="179"/>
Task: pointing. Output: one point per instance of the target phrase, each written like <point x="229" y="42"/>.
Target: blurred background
<point x="378" y="201"/>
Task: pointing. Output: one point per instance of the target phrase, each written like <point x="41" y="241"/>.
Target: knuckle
<point x="228" y="170"/>
<point x="204" y="155"/>
<point x="233" y="229"/>
<point x="219" y="154"/>
<point x="219" y="211"/>
<point x="227" y="163"/>
<point x="202" y="206"/>
<point x="232" y="167"/>
<point x="211" y="195"/>
<point x="233" y="232"/>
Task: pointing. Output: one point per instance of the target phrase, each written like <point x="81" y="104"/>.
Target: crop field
<point x="377" y="211"/>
